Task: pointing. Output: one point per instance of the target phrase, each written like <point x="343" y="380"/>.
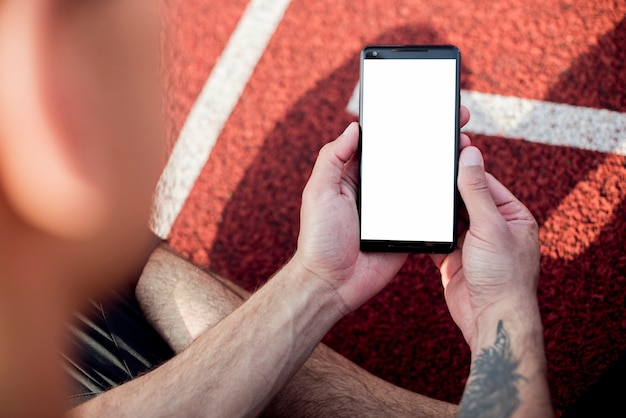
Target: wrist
<point x="522" y="321"/>
<point x="312" y="303"/>
<point x="508" y="347"/>
<point x="272" y="333"/>
<point x="319" y="286"/>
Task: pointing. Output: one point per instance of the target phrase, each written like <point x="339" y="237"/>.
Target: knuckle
<point x="530" y="223"/>
<point x="476" y="182"/>
<point x="325" y="151"/>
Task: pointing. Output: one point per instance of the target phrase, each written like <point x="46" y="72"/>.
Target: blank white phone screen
<point x="408" y="149"/>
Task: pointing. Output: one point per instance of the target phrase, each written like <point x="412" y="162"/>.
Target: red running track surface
<point x="241" y="218"/>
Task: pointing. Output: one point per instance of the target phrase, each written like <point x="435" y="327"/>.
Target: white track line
<point x="549" y="123"/>
<point x="538" y="121"/>
<point x="509" y="117"/>
<point x="212" y="109"/>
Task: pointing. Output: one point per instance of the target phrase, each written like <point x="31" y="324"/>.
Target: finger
<point x="351" y="167"/>
<point x="474" y="187"/>
<point x="464" y="141"/>
<point x="351" y="173"/>
<point x="438" y="259"/>
<point x="501" y="195"/>
<point x="449" y="264"/>
<point x="509" y="206"/>
<point x="330" y="162"/>
<point x="462" y="226"/>
<point x="464" y="116"/>
<point x="347" y="143"/>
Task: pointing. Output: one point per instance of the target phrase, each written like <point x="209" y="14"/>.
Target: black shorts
<point x="109" y="344"/>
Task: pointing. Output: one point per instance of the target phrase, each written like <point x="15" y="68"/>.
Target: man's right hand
<point x="490" y="285"/>
<point x="497" y="262"/>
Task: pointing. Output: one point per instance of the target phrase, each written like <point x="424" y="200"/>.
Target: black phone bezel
<point x="413" y="52"/>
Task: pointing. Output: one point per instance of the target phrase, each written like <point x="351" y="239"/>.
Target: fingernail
<point x="345" y="131"/>
<point x="471" y="156"/>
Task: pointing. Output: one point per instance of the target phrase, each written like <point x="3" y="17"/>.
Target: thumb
<point x="326" y="177"/>
<point x="329" y="166"/>
<point x="474" y="187"/>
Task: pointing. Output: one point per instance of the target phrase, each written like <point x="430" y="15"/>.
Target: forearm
<point x="236" y="367"/>
<point x="183" y="301"/>
<point x="508" y="371"/>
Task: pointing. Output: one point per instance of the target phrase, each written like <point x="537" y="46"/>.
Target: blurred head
<point x="80" y="141"/>
<point x="80" y="153"/>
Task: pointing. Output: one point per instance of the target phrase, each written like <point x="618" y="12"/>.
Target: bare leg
<point x="182" y="301"/>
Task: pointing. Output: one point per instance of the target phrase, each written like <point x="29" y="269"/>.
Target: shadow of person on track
<point x="405" y="335"/>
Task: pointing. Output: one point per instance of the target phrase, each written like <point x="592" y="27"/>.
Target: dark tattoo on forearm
<point x="492" y="387"/>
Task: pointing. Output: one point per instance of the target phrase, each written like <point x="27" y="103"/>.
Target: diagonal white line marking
<point x="544" y="122"/>
<point x="212" y="109"/>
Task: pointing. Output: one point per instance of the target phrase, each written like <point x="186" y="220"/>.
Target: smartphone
<point x="409" y="144"/>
